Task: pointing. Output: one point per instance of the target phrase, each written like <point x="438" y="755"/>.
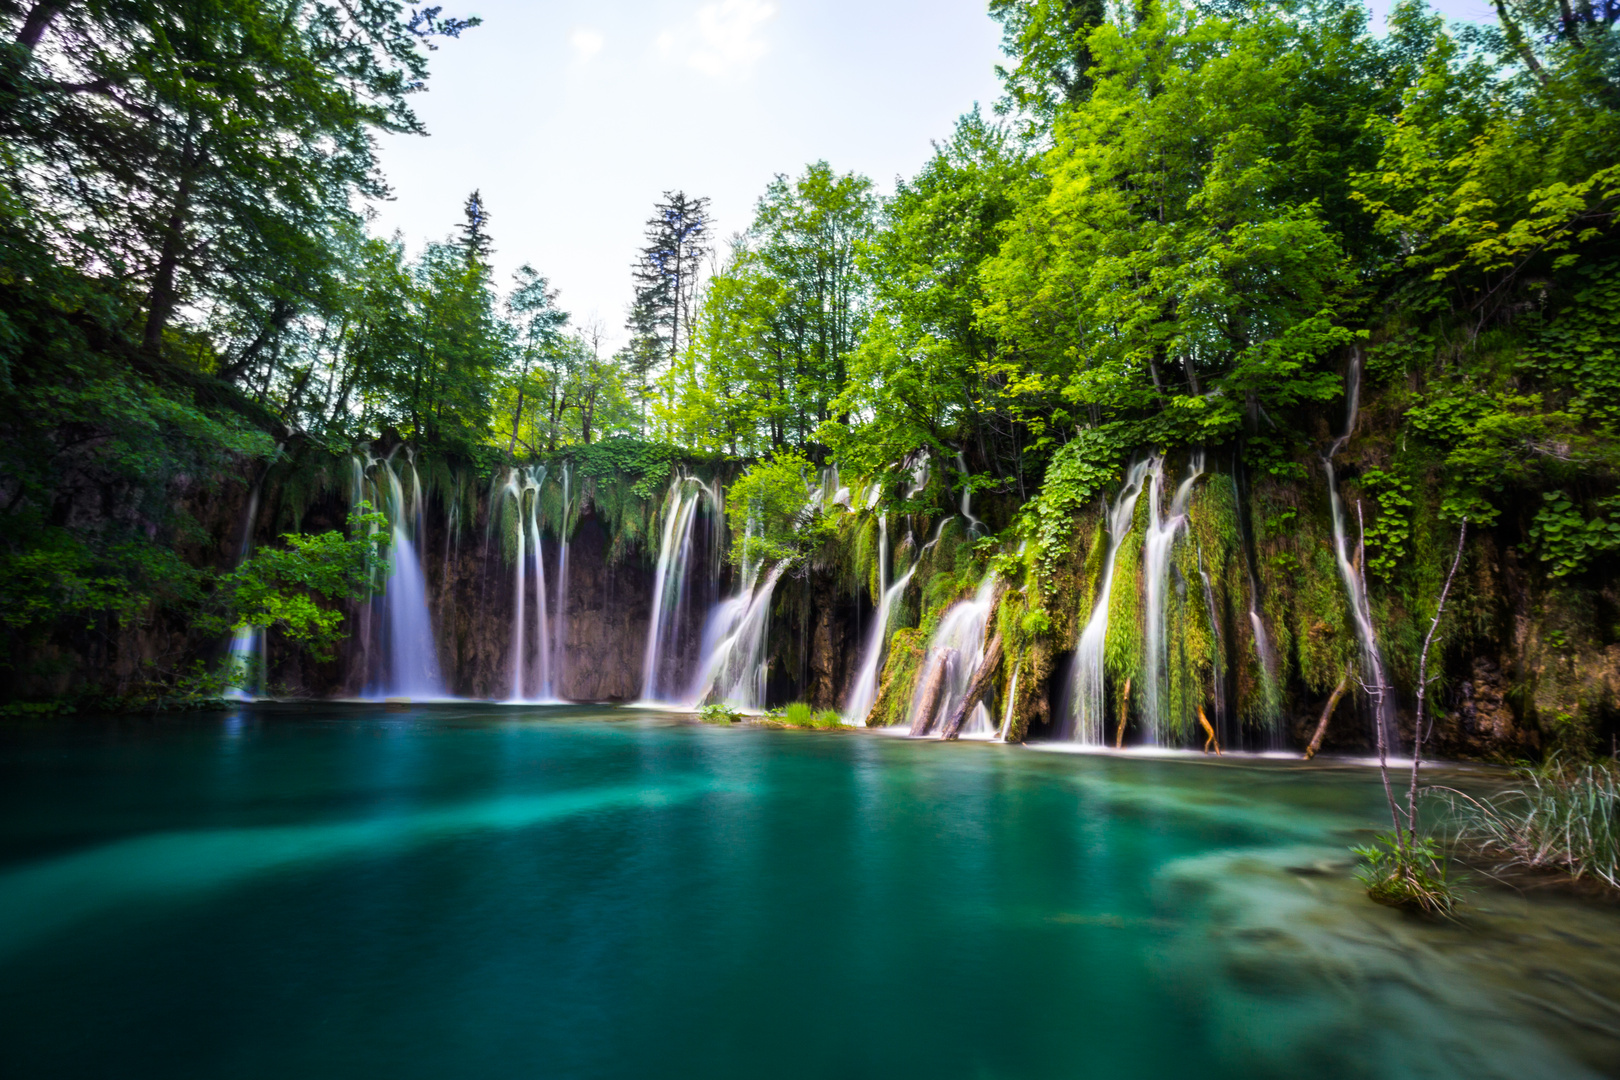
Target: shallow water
<point x="566" y="891"/>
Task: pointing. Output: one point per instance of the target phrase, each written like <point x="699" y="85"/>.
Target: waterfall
<point x="975" y="527"/>
<point x="1262" y="640"/>
<point x="531" y="678"/>
<point x="245" y="667"/>
<point x="1156" y="547"/>
<point x="1086" y="674"/>
<point x="734" y="665"/>
<point x="559" y="633"/>
<point x="1354" y="584"/>
<point x="670" y="586"/>
<point x="864" y="691"/>
<point x="833" y="493"/>
<point x="1012" y="698"/>
<point x="409" y="646"/>
<point x="954" y="655"/>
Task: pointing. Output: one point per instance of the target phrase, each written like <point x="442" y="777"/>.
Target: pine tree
<point x="666" y="276"/>
<point x="475" y="239"/>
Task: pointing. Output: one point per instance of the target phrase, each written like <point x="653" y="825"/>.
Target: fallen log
<point x="1210" y="729"/>
<point x="1124" y="715"/>
<point x="1327" y="714"/>
<point x="933" y="684"/>
<point x="976" y="688"/>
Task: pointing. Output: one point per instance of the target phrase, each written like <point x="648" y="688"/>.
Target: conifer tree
<point x="666" y="275"/>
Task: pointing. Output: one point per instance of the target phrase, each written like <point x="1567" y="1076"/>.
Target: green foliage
<point x="282" y="587"/>
<point x="773" y="499"/>
<point x="718" y="712"/>
<point x="799" y="714"/>
<point x="1567" y="540"/>
<point x="1082" y="470"/>
<point x="1390" y="530"/>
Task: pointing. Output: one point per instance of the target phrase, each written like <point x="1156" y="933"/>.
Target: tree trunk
<point x="1124" y="715"/>
<point x="933" y="685"/>
<point x="164" y="294"/>
<point x="976" y="688"/>
<point x="1209" y="730"/>
<point x="39" y="20"/>
<point x="1327" y="714"/>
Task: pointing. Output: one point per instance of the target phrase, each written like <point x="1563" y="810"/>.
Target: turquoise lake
<point x="482" y="891"/>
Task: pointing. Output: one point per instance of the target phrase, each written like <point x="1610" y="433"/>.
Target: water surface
<point x="498" y="892"/>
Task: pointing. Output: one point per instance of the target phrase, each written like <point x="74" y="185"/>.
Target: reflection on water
<point x="572" y="891"/>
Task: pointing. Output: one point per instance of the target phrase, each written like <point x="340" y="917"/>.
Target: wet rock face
<point x="1483" y="714"/>
<point x="603" y="624"/>
<point x="604" y="620"/>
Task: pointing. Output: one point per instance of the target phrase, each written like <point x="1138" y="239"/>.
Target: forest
<point x="1270" y="242"/>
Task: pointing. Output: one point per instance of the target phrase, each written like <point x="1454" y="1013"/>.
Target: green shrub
<point x="719" y="713"/>
<point x="1411" y="875"/>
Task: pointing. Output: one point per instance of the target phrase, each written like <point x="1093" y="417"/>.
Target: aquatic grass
<point x="1563" y="818"/>
<point x="804" y="715"/>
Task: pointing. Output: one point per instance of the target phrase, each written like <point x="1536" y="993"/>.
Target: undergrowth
<point x="1413" y="875"/>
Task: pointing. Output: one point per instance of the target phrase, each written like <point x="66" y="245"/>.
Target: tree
<point x="1048" y="39"/>
<point x="927" y="373"/>
<point x="200" y="155"/>
<point x="666" y="280"/>
<point x="475" y="239"/>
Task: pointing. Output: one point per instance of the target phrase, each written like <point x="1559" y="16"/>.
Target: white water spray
<point x="410" y="650"/>
<point x="1162" y="529"/>
<point x="1012" y="699"/>
<point x="670" y="583"/>
<point x="1372" y="661"/>
<point x="864" y="691"/>
<point x="958" y="645"/>
<point x="531" y="677"/>
<point x="559" y="634"/>
<point x="1086" y="674"/>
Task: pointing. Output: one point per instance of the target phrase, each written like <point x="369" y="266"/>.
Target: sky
<point x="572" y="117"/>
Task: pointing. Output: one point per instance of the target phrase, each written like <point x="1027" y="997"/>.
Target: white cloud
<point x="724" y="38"/>
<point x="586" y="42"/>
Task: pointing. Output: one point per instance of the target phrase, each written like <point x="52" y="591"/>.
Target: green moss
<point x="901" y="668"/>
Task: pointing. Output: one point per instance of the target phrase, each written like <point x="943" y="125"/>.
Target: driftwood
<point x="1210" y="730"/>
<point x="1327" y="714"/>
<point x="1124" y="714"/>
<point x="933" y="684"/>
<point x="976" y="688"/>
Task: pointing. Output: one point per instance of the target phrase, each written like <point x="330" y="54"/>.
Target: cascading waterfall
<point x="864" y="691"/>
<point x="559" y="633"/>
<point x="1012" y="699"/>
<point x="954" y="655"/>
<point x="1372" y="660"/>
<point x="670" y="587"/>
<point x="1160" y="538"/>
<point x="531" y="668"/>
<point x="1086" y="681"/>
<point x="1262" y="641"/>
<point x="246" y="664"/>
<point x="412" y="669"/>
<point x="975" y="527"/>
<point x="734" y="660"/>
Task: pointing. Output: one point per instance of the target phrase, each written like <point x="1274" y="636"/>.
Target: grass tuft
<point x="1561" y="817"/>
<point x="802" y="714"/>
